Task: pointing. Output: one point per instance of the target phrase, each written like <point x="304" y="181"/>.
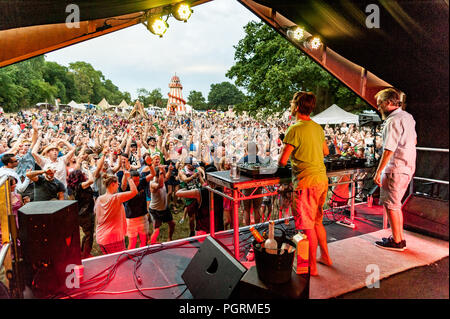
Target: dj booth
<point x="222" y="179"/>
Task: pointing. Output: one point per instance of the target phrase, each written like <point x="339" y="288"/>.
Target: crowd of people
<point x="130" y="173"/>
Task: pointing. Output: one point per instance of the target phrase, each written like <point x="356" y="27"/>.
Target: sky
<point x="199" y="52"/>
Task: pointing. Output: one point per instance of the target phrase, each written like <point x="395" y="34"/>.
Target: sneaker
<point x="389" y="238"/>
<point x="390" y="244"/>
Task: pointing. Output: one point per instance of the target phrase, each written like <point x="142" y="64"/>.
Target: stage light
<point x="182" y="12"/>
<point x="297" y="33"/>
<point x="157" y="26"/>
<point x="315" y="43"/>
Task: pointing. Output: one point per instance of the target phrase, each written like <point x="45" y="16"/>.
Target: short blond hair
<point x="392" y="95"/>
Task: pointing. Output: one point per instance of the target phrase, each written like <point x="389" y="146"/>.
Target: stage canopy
<point x="335" y="115"/>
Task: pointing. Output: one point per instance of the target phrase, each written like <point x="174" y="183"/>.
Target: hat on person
<point x="179" y="137"/>
<point x="49" y="147"/>
<point x="151" y="138"/>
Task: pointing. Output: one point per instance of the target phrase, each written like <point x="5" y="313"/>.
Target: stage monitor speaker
<point x="213" y="272"/>
<point x="50" y="239"/>
<point x="426" y="215"/>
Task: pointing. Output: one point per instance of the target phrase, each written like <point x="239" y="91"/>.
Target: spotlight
<point x="315" y="43"/>
<point x="297" y="33"/>
<point x="182" y="12"/>
<point x="157" y="26"/>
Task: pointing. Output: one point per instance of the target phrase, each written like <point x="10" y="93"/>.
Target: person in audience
<point x="16" y="199"/>
<point x="46" y="185"/>
<point x="136" y="208"/>
<point x="111" y="225"/>
<point x="159" y="209"/>
<point x="50" y="156"/>
<point x="79" y="189"/>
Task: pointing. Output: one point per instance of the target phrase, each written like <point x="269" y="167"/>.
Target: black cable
<point x="356" y="195"/>
<point x="111" y="271"/>
<point x="138" y="263"/>
<point x="177" y="297"/>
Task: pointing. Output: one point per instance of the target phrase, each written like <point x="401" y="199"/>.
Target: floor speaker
<point x="50" y="240"/>
<point x="213" y="272"/>
<point x="426" y="215"/>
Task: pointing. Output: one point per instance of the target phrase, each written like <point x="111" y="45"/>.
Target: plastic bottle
<point x="302" y="243"/>
<point x="271" y="244"/>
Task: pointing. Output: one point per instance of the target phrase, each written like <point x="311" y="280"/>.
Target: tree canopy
<point x="35" y="80"/>
<point x="271" y="70"/>
<point x="222" y="95"/>
<point x="154" y="97"/>
<point x="197" y="100"/>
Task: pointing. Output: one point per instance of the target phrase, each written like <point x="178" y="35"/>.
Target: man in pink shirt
<point x="397" y="163"/>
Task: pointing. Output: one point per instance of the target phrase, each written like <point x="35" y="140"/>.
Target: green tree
<point x="271" y="70"/>
<point x="222" y="95"/>
<point x="59" y="76"/>
<point x="197" y="101"/>
<point x="22" y="85"/>
<point x="85" y="78"/>
<point x="11" y="94"/>
<point x="143" y="96"/>
<point x="127" y="97"/>
<point x="155" y="98"/>
<point x="35" y="80"/>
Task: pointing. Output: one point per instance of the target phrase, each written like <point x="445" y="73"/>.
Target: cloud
<point x="199" y="51"/>
<point x="204" y="68"/>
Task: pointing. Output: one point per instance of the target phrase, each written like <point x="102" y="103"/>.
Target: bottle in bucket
<point x="302" y="243"/>
<point x="271" y="244"/>
<point x="256" y="234"/>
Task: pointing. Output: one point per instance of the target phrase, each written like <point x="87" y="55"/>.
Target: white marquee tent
<point x="103" y="105"/>
<point x="335" y="115"/>
<point x="77" y="106"/>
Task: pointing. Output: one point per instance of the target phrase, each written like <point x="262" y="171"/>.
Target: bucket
<point x="271" y="268"/>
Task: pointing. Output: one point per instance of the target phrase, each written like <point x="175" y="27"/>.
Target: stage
<point x="156" y="271"/>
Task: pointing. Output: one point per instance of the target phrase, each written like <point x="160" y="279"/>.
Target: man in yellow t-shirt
<point x="306" y="147"/>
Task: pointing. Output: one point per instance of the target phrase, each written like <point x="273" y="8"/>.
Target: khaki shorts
<point x="307" y="206"/>
<point x="393" y="188"/>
